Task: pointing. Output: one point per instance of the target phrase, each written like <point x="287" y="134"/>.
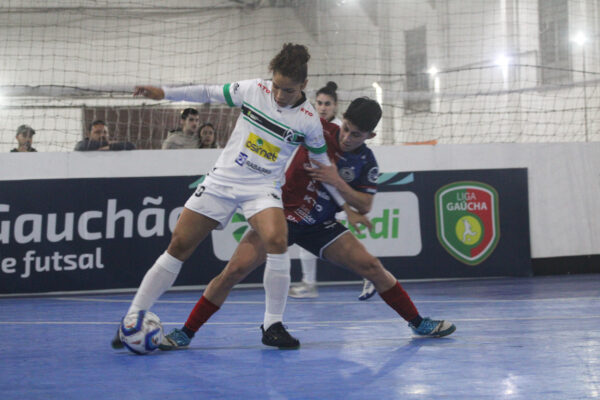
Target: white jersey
<point x="265" y="134"/>
<point x="336" y="121"/>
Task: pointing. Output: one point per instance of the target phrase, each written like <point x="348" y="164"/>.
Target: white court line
<point x="83" y="299"/>
<point x="359" y="322"/>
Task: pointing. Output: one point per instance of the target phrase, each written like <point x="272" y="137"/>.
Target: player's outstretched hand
<point x="324" y="173"/>
<point x="150" y="92"/>
<point x="355" y="219"/>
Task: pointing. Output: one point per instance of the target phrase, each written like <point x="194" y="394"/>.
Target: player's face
<point x="286" y="91"/>
<point x="207" y="136"/>
<point x="326" y="106"/>
<point x="25" y="139"/>
<point x="99" y="133"/>
<point x="190" y="124"/>
<point x="351" y="137"/>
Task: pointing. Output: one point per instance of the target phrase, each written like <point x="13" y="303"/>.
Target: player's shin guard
<point x="157" y="280"/>
<point x="277" y="284"/>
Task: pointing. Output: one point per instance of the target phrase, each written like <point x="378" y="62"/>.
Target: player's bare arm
<point x="356" y="219"/>
<point x="329" y="174"/>
<point x="151" y="92"/>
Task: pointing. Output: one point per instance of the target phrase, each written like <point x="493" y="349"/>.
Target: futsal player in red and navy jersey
<point x="310" y="212"/>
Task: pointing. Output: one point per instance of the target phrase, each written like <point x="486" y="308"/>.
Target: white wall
<point x="114" y="45"/>
<point x="564" y="185"/>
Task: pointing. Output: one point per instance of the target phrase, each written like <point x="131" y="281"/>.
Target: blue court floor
<point x="516" y="338"/>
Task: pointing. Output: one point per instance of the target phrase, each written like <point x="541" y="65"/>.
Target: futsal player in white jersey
<point x="326" y="104"/>
<point x="276" y="118"/>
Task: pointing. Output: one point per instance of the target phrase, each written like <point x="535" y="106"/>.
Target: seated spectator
<point x="185" y="137"/>
<point x="24" y="139"/>
<point x="98" y="139"/>
<point x="208" y="137"/>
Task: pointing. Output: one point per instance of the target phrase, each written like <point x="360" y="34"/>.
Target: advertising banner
<point x="61" y="235"/>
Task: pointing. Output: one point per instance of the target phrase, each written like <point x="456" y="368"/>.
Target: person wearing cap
<point x="24" y="139"/>
<point x="98" y="139"/>
<point x="185" y="137"/>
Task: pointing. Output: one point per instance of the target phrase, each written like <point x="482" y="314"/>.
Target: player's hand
<point x="355" y="219"/>
<point x="323" y="173"/>
<point x="150" y="92"/>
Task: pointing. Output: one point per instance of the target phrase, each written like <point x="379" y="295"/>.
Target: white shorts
<point x="220" y="202"/>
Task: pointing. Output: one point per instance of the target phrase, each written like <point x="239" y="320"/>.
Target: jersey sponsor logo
<point x="289" y="136"/>
<point x="347" y="174"/>
<point x="258" y="145"/>
<point x="305" y="111"/>
<point x="373" y="175"/>
<point x="257" y="168"/>
<point x="323" y="194"/>
<point x="241" y="159"/>
<point x="264" y="88"/>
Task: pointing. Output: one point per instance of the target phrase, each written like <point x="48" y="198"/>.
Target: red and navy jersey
<point x="305" y="200"/>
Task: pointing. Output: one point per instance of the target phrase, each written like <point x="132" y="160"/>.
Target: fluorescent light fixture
<point x="502" y="61"/>
<point x="378" y="92"/>
<point x="433" y="71"/>
<point x="580" y="38"/>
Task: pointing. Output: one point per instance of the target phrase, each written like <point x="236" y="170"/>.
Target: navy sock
<point x="416" y="321"/>
<point x="188" y="332"/>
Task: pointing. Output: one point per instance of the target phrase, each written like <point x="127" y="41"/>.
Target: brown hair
<point x="291" y="62"/>
<point x="329" y="90"/>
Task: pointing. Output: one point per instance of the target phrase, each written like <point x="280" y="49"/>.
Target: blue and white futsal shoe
<point x="368" y="290"/>
<point x="177" y="339"/>
<point x="433" y="328"/>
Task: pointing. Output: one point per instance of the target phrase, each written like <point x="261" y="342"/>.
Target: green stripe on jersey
<point x="227" y="95"/>
<point x="316" y="150"/>
<point x="266" y="130"/>
<point x="269" y="118"/>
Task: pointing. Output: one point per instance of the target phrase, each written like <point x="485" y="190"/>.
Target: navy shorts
<point x="315" y="238"/>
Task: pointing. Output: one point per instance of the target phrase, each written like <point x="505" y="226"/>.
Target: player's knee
<point x="235" y="273"/>
<point x="276" y="244"/>
<point x="178" y="248"/>
<point x="371" y="268"/>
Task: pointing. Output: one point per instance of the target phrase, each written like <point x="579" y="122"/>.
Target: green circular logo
<point x="259" y="142"/>
<point x="468" y="230"/>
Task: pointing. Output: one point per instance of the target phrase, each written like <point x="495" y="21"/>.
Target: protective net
<point x="445" y="71"/>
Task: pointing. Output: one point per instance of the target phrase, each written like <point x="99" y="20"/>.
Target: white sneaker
<point x="368" y="290"/>
<point x="304" y="291"/>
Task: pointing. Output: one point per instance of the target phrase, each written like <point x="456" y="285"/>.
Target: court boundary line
<point x="238" y="286"/>
<point x="314" y="323"/>
<point x="341" y="302"/>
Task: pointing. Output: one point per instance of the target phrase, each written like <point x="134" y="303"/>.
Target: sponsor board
<point x="104" y="233"/>
<point x="396" y="229"/>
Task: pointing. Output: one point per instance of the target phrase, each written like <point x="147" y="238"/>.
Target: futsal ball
<point x="141" y="332"/>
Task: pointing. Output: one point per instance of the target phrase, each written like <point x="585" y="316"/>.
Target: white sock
<point x="157" y="280"/>
<point x="277" y="284"/>
<point x="309" y="267"/>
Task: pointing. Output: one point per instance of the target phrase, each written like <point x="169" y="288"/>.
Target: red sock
<point x="202" y="311"/>
<point x="399" y="300"/>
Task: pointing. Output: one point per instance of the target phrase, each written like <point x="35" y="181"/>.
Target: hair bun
<point x="332" y="85"/>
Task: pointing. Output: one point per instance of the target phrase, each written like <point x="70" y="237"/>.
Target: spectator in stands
<point x="24" y="139"/>
<point x="185" y="137"/>
<point x="98" y="139"/>
<point x="208" y="137"/>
